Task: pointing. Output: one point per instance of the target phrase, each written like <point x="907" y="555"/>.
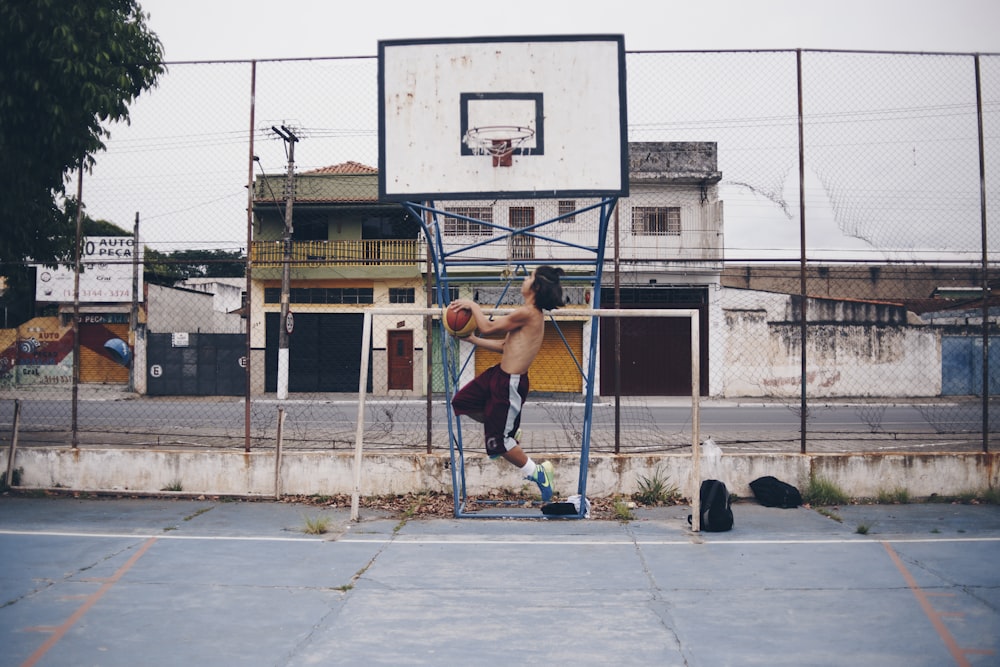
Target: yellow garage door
<point x="554" y="368"/>
<point x="97" y="364"/>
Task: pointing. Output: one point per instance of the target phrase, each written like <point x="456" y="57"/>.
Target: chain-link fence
<point x="838" y="243"/>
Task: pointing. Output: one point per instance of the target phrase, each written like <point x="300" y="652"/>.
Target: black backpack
<point x="772" y="492"/>
<point x="716" y="514"/>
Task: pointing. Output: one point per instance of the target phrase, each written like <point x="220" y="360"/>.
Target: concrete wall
<point x="854" y="348"/>
<point x="237" y="473"/>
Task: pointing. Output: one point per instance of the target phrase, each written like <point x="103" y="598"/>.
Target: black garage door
<point x="324" y="353"/>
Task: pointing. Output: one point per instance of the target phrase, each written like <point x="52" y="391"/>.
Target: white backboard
<point x="566" y="92"/>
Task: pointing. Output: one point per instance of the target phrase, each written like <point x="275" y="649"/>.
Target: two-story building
<point x="350" y="252"/>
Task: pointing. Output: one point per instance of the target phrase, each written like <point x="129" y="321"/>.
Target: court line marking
<point x="517" y="541"/>
<point x="85" y="607"/>
<point x="165" y="536"/>
<point x="935" y="617"/>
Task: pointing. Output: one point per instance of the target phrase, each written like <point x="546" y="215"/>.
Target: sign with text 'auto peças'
<point x="106" y="276"/>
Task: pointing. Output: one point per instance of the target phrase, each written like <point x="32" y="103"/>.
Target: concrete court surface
<point x="165" y="582"/>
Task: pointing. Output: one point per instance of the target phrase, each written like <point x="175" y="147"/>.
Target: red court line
<point x="91" y="600"/>
<point x="957" y="652"/>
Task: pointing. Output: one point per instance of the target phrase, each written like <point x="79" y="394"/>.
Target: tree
<point x="168" y="268"/>
<point x="18" y="300"/>
<point x="67" y="70"/>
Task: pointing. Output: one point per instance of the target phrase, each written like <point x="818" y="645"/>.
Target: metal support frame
<point x="590" y="271"/>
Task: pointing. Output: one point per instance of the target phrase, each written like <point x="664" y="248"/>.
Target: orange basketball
<point x="459" y="322"/>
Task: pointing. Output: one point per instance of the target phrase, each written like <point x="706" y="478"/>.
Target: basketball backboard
<point x="502" y="117"/>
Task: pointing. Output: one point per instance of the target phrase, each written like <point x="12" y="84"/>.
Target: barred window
<point x="656" y="220"/>
<point x="461" y="227"/>
<point x="402" y="295"/>
<point x="567" y="206"/>
<point x="521" y="246"/>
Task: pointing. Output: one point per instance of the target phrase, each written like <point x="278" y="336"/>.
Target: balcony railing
<point x="316" y="254"/>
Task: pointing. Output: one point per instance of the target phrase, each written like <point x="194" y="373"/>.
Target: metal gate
<point x="196" y="365"/>
<point x="97" y="364"/>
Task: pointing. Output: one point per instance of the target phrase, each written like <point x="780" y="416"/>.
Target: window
<point x="321" y="295"/>
<point x="656" y="221"/>
<point x="567" y="206"/>
<point x="461" y="227"/>
<point x="402" y="295"/>
<point x="522" y="246"/>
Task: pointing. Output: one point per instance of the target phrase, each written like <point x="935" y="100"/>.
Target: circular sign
<point x="156" y="370"/>
<point x="289" y="322"/>
<point x="242" y="362"/>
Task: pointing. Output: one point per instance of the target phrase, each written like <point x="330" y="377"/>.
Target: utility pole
<point x="287" y="323"/>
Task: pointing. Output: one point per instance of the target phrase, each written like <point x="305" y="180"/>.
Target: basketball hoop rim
<point x="497" y="139"/>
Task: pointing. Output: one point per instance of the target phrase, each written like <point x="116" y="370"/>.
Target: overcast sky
<point x="255" y="29"/>
<point x="205" y="188"/>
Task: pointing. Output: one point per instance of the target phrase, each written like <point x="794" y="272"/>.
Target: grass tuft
<point x="621" y="510"/>
<point x="822" y="491"/>
<point x="319" y="525"/>
<point x="897" y="496"/>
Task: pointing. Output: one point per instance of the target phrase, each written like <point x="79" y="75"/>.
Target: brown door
<point x="655" y="356"/>
<point x="400" y="344"/>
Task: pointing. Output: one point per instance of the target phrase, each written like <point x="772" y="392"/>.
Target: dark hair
<point x="548" y="290"/>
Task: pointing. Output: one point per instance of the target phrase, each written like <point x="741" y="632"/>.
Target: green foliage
<point x="67" y="70"/>
<point x="167" y="268"/>
<point x="621" y="511"/>
<point x="824" y="492"/>
<point x="991" y="496"/>
<point x="656" y="490"/>
<point x="897" y="496"/>
<point x="18" y="301"/>
<point x="15" y="476"/>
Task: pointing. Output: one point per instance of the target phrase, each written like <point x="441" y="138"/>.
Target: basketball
<point x="458" y="322"/>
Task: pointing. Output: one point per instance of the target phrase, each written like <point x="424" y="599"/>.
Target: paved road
<point x="201" y="582"/>
<point x="646" y="425"/>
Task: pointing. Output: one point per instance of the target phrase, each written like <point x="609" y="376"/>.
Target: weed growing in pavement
<point x="656" y="490"/>
<point x="621" y="511"/>
<point x="822" y="491"/>
<point x="173" y="486"/>
<point x="197" y="514"/>
<point x="897" y="496"/>
<point x="830" y="515"/>
<point x="317" y="525"/>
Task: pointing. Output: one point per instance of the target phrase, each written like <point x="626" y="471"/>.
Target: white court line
<point x="413" y="540"/>
<point x="161" y="536"/>
<point x="677" y="542"/>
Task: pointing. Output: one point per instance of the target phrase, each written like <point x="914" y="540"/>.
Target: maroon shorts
<point x="499" y="397"/>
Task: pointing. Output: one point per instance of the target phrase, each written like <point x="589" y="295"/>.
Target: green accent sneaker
<point x="543" y="477"/>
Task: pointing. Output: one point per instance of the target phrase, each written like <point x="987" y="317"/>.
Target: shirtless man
<point x="497" y="395"/>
